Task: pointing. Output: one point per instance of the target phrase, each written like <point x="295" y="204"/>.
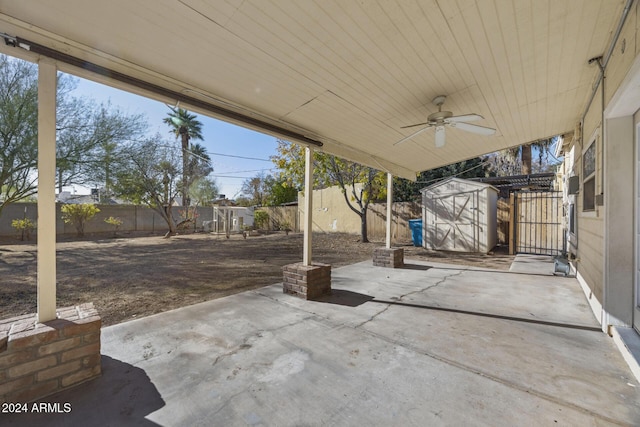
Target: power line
<point x="253" y="170"/>
<point x="214" y="154"/>
<point x="238" y="157"/>
<point x="454" y="175"/>
<point x="229" y="176"/>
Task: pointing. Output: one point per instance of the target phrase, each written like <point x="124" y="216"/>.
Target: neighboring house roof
<point x="78" y="199"/>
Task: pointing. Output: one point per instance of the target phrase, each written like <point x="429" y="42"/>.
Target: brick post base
<point x="39" y="359"/>
<point x="388" y="257"/>
<point x="307" y="281"/>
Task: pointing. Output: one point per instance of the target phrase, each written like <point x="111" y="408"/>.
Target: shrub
<point x="260" y="218"/>
<point x="188" y="219"/>
<point x="78" y="215"/>
<point x="286" y="227"/>
<point x="115" y="221"/>
<point x="24" y="226"/>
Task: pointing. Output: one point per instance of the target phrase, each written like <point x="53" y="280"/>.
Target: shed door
<point x="455" y="225"/>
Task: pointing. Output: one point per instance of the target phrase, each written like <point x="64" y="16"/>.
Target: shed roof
<point x="472" y="185"/>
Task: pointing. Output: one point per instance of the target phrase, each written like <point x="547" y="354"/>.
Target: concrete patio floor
<point x="428" y="344"/>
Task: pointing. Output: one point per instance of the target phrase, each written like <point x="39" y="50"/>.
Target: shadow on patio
<point x="430" y="344"/>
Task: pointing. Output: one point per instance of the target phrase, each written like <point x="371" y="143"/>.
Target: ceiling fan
<point x="440" y="119"/>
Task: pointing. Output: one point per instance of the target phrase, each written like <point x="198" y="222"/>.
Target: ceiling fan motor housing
<point x="439" y="116"/>
<point x="440" y="119"/>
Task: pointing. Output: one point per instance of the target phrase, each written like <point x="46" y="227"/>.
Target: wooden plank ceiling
<point x="348" y="73"/>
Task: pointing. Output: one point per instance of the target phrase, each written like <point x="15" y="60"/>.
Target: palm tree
<point x="543" y="147"/>
<point x="185" y="126"/>
<point x="199" y="163"/>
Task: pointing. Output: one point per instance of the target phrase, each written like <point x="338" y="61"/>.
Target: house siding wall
<point x="620" y="63"/>
<point x="597" y="260"/>
<point x="619" y="241"/>
<point x="590" y="224"/>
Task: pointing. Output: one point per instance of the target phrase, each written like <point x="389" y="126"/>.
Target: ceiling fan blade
<point x="412" y="126"/>
<point x="440" y="140"/>
<point x="480" y="130"/>
<point x="406" y="138"/>
<point x="465" y="118"/>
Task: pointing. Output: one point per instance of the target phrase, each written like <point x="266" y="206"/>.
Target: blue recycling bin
<point x="415" y="225"/>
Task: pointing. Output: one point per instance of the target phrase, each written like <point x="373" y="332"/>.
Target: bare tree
<point x="150" y="176"/>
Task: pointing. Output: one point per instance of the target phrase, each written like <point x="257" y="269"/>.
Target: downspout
<point x="603" y="61"/>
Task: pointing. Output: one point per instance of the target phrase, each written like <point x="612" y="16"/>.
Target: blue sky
<point x="219" y="137"/>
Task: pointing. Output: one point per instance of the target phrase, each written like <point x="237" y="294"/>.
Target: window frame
<point x="589" y="154"/>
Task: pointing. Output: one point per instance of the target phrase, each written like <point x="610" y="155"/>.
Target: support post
<point x="46" y="249"/>
<point x="388" y="256"/>
<point x="306" y="279"/>
<point x="389" y="208"/>
<point x="512" y="224"/>
<point x="308" y="206"/>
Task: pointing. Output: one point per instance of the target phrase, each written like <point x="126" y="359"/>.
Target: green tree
<point x="290" y="162"/>
<point x="347" y="175"/>
<point x="267" y="190"/>
<point x="519" y="159"/>
<point x="199" y="167"/>
<point x="203" y="191"/>
<point x="82" y="128"/>
<point x="360" y="184"/>
<point x="185" y="126"/>
<point x="409" y="191"/>
<point x="279" y="191"/>
<point x="88" y="141"/>
<point x="255" y="190"/>
<point x="18" y="130"/>
<point x="260" y="219"/>
<point x="199" y="163"/>
<point x="78" y="215"/>
<point x="151" y="178"/>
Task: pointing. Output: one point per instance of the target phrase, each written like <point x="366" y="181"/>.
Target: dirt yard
<point x="130" y="277"/>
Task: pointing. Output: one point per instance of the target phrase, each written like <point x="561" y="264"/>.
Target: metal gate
<point x="538" y="227"/>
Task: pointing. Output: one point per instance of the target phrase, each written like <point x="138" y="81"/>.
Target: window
<point x="589" y="180"/>
<point x="572" y="219"/>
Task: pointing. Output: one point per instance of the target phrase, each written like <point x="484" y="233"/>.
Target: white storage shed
<point x="459" y="215"/>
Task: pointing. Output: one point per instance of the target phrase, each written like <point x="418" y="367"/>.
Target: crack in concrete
<point x="373" y="317"/>
<point x="426" y="288"/>
<point x="248" y="342"/>
<point x="438" y="283"/>
<point x="491" y="377"/>
<point x="231" y="353"/>
<point x="468" y="368"/>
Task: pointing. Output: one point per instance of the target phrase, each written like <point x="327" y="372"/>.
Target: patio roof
<point x="343" y="75"/>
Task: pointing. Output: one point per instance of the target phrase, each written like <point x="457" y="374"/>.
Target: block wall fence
<point x="135" y="218"/>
